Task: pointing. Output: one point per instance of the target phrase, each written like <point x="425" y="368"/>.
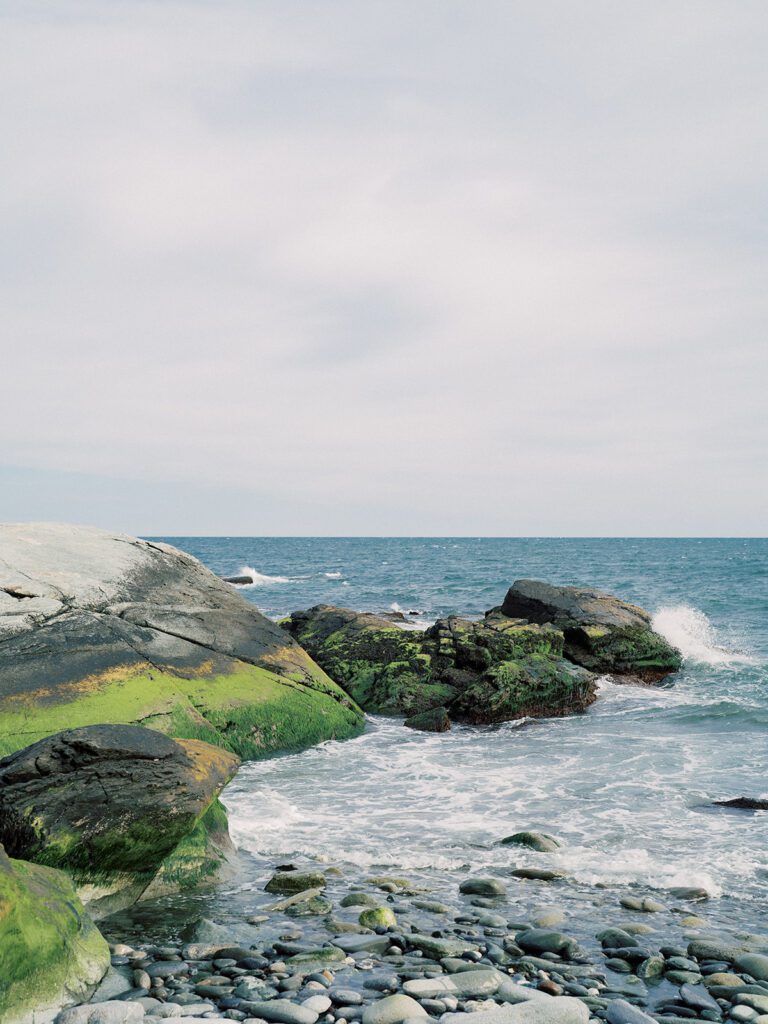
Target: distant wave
<point x="260" y="579"/>
<point x="332" y="575"/>
<point x="690" y="630"/>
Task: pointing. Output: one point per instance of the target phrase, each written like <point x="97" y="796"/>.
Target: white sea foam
<point x="332" y="575"/>
<point x="260" y="579"/>
<point x="690" y="630"/>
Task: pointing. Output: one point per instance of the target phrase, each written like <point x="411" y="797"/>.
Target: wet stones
<point x="538" y="841"/>
<point x="482" y="887"/>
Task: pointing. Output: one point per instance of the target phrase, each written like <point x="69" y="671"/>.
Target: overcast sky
<point x="382" y="267"/>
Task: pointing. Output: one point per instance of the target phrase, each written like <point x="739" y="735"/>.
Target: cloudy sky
<point x="377" y="267"/>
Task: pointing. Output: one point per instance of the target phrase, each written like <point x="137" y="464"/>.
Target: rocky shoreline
<point x="167" y="677"/>
<point x="385" y="951"/>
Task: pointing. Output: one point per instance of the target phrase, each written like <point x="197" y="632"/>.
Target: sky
<point x="423" y="268"/>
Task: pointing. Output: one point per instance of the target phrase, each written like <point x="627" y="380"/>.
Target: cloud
<point x="421" y="269"/>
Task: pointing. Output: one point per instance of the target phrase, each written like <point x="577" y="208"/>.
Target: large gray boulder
<point x="602" y="632"/>
<point x="98" y="627"/>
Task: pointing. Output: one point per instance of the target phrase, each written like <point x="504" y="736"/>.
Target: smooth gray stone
<point x="110" y="1012"/>
<point x="281" y="1011"/>
<point x="755" y="964"/>
<point x="621" y="1012"/>
<point x="698" y="998"/>
<point x="362" y="943"/>
<point x="466" y="984"/>
<point x="393" y="1010"/>
<point x="115" y="982"/>
<point x="552" y="1010"/>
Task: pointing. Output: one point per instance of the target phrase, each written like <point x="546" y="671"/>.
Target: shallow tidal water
<point x="626" y="787"/>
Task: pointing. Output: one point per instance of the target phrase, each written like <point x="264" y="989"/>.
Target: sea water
<point x="627" y="787"/>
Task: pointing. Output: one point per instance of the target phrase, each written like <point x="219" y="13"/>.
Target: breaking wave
<point x="693" y="634"/>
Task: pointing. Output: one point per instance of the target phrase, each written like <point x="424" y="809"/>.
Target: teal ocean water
<point x="627" y="786"/>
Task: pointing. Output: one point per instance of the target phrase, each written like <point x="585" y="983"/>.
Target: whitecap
<point x="260" y="579"/>
<point x="689" y="629"/>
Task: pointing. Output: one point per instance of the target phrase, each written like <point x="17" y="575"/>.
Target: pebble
<point x="393" y="1010"/>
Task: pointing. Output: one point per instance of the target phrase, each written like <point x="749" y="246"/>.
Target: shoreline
<point x="642" y="951"/>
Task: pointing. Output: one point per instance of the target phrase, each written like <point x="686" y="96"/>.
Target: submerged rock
<point x="484" y="672"/>
<point x="602" y="632"/>
<point x="539" y="841"/>
<point x="435" y="720"/>
<point x="744" y="803"/>
<point x="125" y="810"/>
<point x="98" y="627"/>
<point x="51" y="954"/>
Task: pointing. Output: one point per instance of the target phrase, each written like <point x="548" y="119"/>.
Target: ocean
<point x="627" y="786"/>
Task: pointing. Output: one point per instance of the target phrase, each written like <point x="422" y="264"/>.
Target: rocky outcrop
<point x="98" y="627"/>
<point x="51" y="954"/>
<point x="126" y="811"/>
<point x="491" y="671"/>
<point x="601" y="632"/>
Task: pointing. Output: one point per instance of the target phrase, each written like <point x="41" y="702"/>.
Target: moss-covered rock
<point x="602" y="633"/>
<point x="536" y="686"/>
<point x="97" y="627"/>
<point x="122" y="809"/>
<point x="494" y="670"/>
<point x="434" y="720"/>
<point x="50" y="951"/>
<point x="385" y="668"/>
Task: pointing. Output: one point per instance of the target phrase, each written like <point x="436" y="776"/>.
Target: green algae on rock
<point x="99" y="627"/>
<point x="491" y="671"/>
<point x="126" y="811"/>
<point x="51" y="952"/>
<point x="601" y="632"/>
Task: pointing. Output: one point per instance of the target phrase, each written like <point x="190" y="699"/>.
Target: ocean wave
<point x="689" y="629"/>
<point x="331" y="575"/>
<point x="260" y="579"/>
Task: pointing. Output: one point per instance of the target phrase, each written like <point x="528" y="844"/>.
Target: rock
<point x="121" y="807"/>
<point x="377" y="662"/>
<point x="103" y="628"/>
<point x="646" y="906"/>
<point x="467" y="984"/>
<point x="115" y="1012"/>
<point x="753" y="1000"/>
<point x="615" y="938"/>
<point x="296" y="881"/>
<point x="393" y="1010"/>
<point x="378" y="917"/>
<point x="359" y="899"/>
<point x="282" y="1011"/>
<point x="362" y="943"/>
<point x="540" y="940"/>
<point x="744" y="803"/>
<point x="551" y="917"/>
<point x="305" y="896"/>
<point x="50" y="952"/>
<point x="434" y="720"/>
<point x="318" y="1004"/>
<point x="713" y="949"/>
<point x="481" y="672"/>
<point x="537" y="874"/>
<point x="602" y="633"/>
<point x="621" y="1012"/>
<point x="539" y="841"/>
<point x="755" y="964"/>
<point x="691" y="893"/>
<point x="437" y="949"/>
<point x="547" y="1010"/>
<point x="482" y="887"/>
<point x="512" y="992"/>
<point x="723" y="979"/>
<point x="697" y="997"/>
